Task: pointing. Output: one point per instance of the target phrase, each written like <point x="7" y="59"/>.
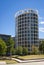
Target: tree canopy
<point x="25" y="51"/>
<point x="2" y="47"/>
<point x="10" y="46"/>
<point x="41" y="47"/>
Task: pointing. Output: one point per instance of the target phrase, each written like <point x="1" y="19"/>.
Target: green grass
<point x="31" y="57"/>
<point x="10" y="61"/>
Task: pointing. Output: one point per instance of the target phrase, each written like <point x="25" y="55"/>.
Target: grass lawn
<point x="31" y="57"/>
<point x="9" y="61"/>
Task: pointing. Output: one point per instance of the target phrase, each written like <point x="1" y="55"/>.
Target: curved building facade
<point x="27" y="28"/>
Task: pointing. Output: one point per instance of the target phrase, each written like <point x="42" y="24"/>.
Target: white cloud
<point x="41" y="29"/>
<point x="42" y="22"/>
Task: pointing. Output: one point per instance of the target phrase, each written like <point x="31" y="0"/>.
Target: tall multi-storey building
<point x="27" y="28"/>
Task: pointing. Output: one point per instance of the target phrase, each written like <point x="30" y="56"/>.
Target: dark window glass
<point x="28" y="45"/>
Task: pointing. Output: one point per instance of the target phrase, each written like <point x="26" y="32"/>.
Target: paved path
<point x="17" y="60"/>
<point x="33" y="63"/>
<point x="2" y="63"/>
<point x="26" y="61"/>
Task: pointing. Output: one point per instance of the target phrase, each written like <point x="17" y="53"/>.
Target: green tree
<point x="41" y="47"/>
<point x="25" y="51"/>
<point x="16" y="51"/>
<point x="10" y="46"/>
<point x="13" y="52"/>
<point x="35" y="50"/>
<point x="2" y="47"/>
<point x="19" y="50"/>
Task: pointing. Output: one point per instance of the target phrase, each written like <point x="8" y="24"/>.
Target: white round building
<point x="27" y="28"/>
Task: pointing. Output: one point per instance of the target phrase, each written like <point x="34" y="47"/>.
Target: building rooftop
<point x="4" y="35"/>
<point x="26" y="11"/>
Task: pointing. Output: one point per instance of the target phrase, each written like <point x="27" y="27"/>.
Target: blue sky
<point x="8" y="8"/>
